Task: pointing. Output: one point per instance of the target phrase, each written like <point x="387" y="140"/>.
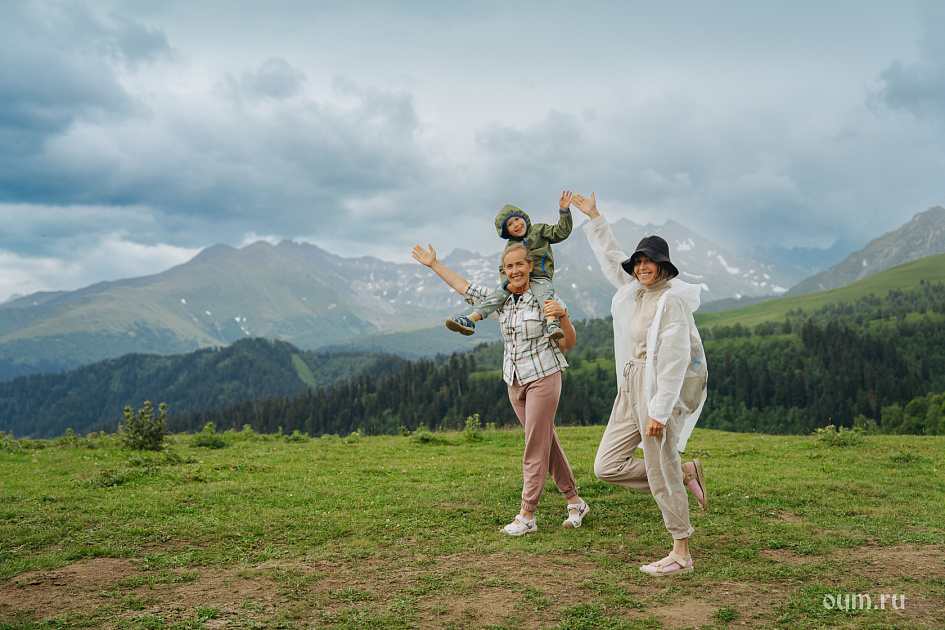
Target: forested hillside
<point x="862" y="363"/>
<point x="429" y="393"/>
<point x="871" y="361"/>
<point x="92" y="397"/>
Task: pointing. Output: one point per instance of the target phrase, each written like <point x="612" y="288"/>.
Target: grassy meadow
<point x="403" y="532"/>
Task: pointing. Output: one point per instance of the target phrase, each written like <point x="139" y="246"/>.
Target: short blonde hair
<point x="513" y="245"/>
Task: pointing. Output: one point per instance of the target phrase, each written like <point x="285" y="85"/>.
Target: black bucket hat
<point x="656" y="249"/>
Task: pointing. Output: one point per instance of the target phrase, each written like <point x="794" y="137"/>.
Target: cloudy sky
<point x="135" y="133"/>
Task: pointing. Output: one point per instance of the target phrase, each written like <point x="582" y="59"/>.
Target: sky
<point x="134" y="133"/>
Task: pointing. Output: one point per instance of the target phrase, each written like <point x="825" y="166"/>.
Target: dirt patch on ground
<point x="458" y="591"/>
<point x="72" y="587"/>
<point x="884" y="563"/>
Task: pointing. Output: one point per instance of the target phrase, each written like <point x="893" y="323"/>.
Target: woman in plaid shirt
<point x="531" y="367"/>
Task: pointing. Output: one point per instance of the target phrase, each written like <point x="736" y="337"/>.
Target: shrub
<point x="472" y="432"/>
<point x="144" y="431"/>
<point x="841" y="436"/>
<point x="245" y="434"/>
<point x="296" y="436"/>
<point x="423" y="435"/>
<point x="208" y="438"/>
<point x="353" y="438"/>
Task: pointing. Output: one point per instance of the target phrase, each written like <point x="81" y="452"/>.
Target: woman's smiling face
<point x="645" y="270"/>
<point x="517" y="268"/>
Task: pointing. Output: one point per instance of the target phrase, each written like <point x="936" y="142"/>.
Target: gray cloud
<point x="275" y="78"/>
<point x="57" y="69"/>
<point x="155" y="129"/>
<point x="918" y="86"/>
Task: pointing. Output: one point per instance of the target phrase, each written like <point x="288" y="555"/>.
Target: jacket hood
<point x="690" y="293"/>
<point x="506" y="213"/>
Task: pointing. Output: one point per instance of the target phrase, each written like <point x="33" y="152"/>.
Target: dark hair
<point x="667" y="271"/>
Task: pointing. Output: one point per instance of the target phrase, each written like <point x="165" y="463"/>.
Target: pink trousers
<point x="535" y="405"/>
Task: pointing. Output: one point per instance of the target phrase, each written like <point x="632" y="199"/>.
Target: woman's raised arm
<point x="450" y="277"/>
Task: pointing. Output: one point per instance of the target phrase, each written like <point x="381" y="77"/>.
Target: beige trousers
<point x="626" y="430"/>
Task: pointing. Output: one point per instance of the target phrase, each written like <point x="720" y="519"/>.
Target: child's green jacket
<point x="538" y="238"/>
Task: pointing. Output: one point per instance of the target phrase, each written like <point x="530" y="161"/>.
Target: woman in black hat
<point x="661" y="376"/>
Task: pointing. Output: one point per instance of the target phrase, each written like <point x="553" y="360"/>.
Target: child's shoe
<point x="574" y="520"/>
<point x="520" y="526"/>
<point x="461" y="324"/>
<point x="553" y="331"/>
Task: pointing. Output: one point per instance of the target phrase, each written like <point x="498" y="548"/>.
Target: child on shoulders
<point x="513" y="224"/>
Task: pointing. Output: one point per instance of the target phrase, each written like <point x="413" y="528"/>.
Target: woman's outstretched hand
<point x="586" y="205"/>
<point x="425" y="257"/>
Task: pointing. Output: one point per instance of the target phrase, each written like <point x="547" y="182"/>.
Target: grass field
<point x="401" y="532"/>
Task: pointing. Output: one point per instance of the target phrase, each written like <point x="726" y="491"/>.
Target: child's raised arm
<point x="562" y="229"/>
<point x="565" y="202"/>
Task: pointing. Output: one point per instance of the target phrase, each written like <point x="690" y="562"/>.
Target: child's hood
<point x="506" y="213"/>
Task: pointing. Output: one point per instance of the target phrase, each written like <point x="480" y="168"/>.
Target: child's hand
<point x="565" y="202"/>
<point x="587" y="206"/>
<point x="425" y="257"/>
<point x="553" y="308"/>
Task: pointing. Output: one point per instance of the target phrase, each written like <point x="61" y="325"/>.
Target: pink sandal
<point x="673" y="564"/>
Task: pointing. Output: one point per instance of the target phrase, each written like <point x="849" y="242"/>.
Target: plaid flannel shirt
<point x="529" y="355"/>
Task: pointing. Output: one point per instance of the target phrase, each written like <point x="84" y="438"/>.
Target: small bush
<point x="423" y="435"/>
<point x="472" y="432"/>
<point x="9" y="444"/>
<point x="246" y="434"/>
<point x="353" y="438"/>
<point x="296" y="436"/>
<point x="144" y="431"/>
<point x="834" y="436"/>
<point x="208" y="438"/>
<point x="69" y="440"/>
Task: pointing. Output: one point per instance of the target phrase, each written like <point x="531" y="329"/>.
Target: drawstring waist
<point x="626" y="371"/>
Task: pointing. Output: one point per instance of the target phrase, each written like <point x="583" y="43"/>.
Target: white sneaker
<point x="574" y="520"/>
<point x="520" y="526"/>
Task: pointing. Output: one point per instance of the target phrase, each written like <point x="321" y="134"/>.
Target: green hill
<point x="905" y="277"/>
<point x="92" y="397"/>
<point x="846" y="356"/>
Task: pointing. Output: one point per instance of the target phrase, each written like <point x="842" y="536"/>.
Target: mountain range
<point x="923" y="236"/>
<point x="256" y="378"/>
<point x="315" y="300"/>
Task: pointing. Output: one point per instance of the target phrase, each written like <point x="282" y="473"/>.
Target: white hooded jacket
<point x="676" y="370"/>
